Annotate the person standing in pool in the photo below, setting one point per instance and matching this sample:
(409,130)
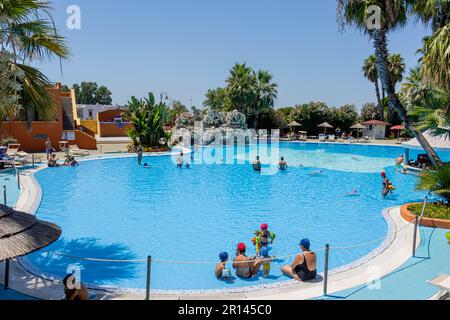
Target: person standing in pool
(266,260)
(304,266)
(257,165)
(140,154)
(283,164)
(180,160)
(387,185)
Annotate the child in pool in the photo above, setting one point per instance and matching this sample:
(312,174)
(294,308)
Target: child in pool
(266,260)
(222,272)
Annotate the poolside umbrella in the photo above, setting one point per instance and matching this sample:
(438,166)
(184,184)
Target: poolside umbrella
(22,234)
(294,124)
(358,127)
(398,129)
(326,126)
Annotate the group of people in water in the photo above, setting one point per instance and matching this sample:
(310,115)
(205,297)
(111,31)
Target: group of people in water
(303,267)
(69,161)
(257,166)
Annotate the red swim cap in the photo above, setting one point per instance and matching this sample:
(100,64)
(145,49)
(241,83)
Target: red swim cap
(264,226)
(241,247)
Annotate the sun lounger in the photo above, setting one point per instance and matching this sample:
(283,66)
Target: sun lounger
(332,138)
(442,282)
(75,151)
(322,137)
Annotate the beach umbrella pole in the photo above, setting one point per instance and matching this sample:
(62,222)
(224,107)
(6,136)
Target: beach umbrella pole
(6,275)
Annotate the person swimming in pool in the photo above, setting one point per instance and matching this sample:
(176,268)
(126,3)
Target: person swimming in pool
(304,266)
(316,173)
(222,272)
(245,267)
(283,164)
(146,166)
(399,161)
(354,192)
(257,165)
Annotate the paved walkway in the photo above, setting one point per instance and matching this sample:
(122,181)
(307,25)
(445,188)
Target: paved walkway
(409,282)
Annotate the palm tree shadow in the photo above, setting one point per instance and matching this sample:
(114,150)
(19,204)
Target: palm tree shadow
(63,254)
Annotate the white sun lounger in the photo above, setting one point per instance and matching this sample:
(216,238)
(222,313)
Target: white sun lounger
(75,151)
(442,282)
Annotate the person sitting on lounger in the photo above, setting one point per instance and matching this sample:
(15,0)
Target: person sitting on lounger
(304,266)
(283,164)
(222,272)
(257,164)
(245,267)
(74,291)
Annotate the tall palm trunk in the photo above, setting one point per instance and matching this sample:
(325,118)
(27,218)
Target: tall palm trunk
(381,52)
(380,104)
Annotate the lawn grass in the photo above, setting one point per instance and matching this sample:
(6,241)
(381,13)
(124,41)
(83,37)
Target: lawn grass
(433,210)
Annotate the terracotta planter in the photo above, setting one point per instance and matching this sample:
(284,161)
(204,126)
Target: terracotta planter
(426,222)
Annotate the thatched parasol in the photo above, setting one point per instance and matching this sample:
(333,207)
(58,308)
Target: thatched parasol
(326,126)
(294,124)
(358,127)
(22,234)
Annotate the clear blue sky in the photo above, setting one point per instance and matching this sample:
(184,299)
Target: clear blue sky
(186,47)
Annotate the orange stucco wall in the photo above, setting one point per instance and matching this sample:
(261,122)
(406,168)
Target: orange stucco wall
(27,136)
(112,130)
(83,140)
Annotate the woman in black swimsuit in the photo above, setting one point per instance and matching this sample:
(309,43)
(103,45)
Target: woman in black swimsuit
(303,268)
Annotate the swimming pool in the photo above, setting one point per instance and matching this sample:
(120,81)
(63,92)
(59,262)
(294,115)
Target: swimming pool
(114,209)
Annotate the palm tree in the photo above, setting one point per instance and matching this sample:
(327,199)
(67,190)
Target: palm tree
(265,94)
(396,69)
(438,181)
(426,104)
(28,34)
(433,12)
(148,120)
(240,85)
(370,72)
(393,16)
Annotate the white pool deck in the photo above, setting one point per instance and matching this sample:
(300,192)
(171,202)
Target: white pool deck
(390,257)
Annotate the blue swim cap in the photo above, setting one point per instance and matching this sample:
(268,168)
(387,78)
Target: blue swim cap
(264,252)
(223,256)
(305,243)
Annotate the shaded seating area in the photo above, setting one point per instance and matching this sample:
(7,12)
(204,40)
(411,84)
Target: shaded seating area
(22,234)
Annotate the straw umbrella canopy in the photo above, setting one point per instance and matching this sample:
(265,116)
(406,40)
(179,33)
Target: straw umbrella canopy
(294,124)
(358,127)
(22,234)
(326,126)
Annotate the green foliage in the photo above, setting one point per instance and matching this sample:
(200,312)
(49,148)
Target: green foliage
(432,210)
(148,120)
(91,93)
(344,117)
(369,111)
(217,100)
(28,34)
(252,93)
(310,115)
(175,110)
(438,181)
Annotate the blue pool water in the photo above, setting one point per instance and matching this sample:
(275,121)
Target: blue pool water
(114,209)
